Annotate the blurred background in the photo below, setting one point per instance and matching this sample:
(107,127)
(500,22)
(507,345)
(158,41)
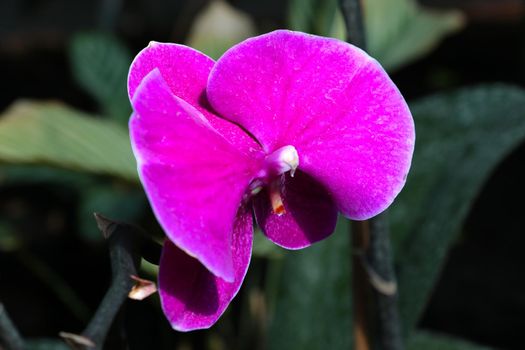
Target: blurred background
(457,228)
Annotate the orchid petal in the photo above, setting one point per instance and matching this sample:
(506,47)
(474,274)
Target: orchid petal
(336,105)
(310,214)
(184,69)
(186,72)
(194,178)
(192,297)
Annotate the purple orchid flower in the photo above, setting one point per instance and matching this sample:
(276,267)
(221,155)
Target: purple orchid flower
(293,126)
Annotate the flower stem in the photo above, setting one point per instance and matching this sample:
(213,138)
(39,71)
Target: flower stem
(124,262)
(10,338)
(374,286)
(373,279)
(360,232)
(353,16)
(123,242)
(381,274)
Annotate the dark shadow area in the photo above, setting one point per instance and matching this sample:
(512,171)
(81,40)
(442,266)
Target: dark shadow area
(39,220)
(481,292)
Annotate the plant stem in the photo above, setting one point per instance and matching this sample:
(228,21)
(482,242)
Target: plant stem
(9,336)
(374,286)
(360,288)
(373,279)
(353,16)
(360,230)
(121,239)
(379,264)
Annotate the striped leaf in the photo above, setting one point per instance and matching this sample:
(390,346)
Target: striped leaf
(54,134)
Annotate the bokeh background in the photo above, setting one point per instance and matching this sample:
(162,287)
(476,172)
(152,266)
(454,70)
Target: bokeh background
(457,229)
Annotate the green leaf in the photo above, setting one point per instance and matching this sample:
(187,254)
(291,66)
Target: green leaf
(461,138)
(100,64)
(313,298)
(430,341)
(399,32)
(54,134)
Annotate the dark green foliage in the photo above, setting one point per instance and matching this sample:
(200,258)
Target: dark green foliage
(100,64)
(313,304)
(461,138)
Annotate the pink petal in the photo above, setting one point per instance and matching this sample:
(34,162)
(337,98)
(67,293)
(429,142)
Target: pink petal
(192,297)
(350,125)
(194,178)
(186,72)
(310,215)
